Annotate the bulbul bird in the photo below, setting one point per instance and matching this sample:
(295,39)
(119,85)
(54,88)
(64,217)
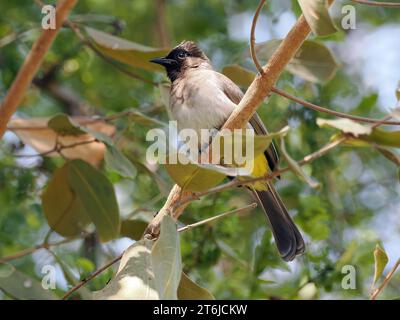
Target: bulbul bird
(202,98)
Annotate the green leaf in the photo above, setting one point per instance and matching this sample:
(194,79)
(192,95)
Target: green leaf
(363,132)
(64,126)
(145,120)
(384,138)
(389,154)
(62,208)
(125,51)
(166,260)
(117,162)
(147,270)
(133,228)
(345,125)
(313,61)
(194,177)
(381,260)
(83,292)
(317,16)
(135,279)
(20,286)
(97,196)
(296,168)
(239,75)
(189,290)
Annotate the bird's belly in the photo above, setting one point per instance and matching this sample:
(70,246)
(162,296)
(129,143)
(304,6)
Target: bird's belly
(199,113)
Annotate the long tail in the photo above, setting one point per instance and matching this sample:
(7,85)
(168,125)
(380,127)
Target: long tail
(287,237)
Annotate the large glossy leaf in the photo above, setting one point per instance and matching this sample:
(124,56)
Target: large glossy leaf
(148,270)
(125,51)
(317,16)
(62,208)
(189,290)
(313,61)
(381,259)
(21,286)
(193,176)
(116,161)
(135,279)
(166,260)
(97,196)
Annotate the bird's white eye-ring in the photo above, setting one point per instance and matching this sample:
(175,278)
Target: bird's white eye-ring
(182,55)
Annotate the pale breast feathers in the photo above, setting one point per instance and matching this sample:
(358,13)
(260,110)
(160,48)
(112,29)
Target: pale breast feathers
(199,102)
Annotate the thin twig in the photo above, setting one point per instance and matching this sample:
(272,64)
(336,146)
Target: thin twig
(378,4)
(28,251)
(93,275)
(217,217)
(386,281)
(58,148)
(382,121)
(253,38)
(332,112)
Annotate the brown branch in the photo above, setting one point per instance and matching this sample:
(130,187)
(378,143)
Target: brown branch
(28,251)
(386,281)
(332,112)
(161,24)
(93,275)
(31,65)
(378,4)
(259,89)
(253,38)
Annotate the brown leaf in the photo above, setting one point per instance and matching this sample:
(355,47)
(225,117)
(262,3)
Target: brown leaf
(39,136)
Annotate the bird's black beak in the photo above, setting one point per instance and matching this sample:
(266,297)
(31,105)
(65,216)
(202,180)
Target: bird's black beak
(164,61)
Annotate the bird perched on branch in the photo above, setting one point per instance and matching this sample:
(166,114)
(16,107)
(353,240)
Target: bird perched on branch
(202,98)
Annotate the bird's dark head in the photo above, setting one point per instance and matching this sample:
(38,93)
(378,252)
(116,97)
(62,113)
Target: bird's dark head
(185,55)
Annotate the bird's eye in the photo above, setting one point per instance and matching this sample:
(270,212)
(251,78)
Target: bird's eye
(182,55)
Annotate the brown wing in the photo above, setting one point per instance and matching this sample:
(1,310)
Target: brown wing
(234,93)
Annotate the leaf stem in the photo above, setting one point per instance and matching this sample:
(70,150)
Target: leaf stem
(93,275)
(332,112)
(217,217)
(253,38)
(386,281)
